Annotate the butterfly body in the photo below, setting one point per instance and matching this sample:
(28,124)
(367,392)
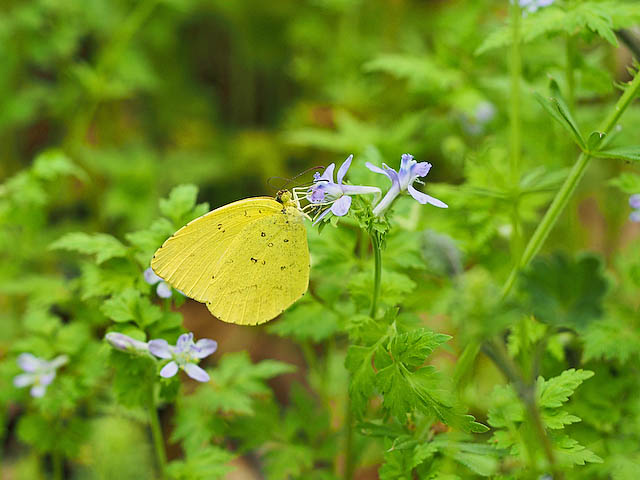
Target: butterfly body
(247,261)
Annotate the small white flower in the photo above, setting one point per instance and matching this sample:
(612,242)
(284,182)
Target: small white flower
(185,355)
(39,373)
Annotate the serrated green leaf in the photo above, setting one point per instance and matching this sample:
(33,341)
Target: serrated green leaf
(103,246)
(307,321)
(556,391)
(206,463)
(627,182)
(130,306)
(181,206)
(361,384)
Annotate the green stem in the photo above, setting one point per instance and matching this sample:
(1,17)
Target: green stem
(57,466)
(515,68)
(526,393)
(568,188)
(377,255)
(156,434)
(349,465)
(569,72)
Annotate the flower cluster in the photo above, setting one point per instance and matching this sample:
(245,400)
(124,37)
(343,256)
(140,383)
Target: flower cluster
(39,373)
(634,202)
(325,192)
(184,355)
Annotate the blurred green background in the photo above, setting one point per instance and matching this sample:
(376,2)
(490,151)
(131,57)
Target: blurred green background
(226,94)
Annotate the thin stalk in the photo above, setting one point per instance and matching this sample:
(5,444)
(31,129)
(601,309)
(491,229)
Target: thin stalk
(349,464)
(377,255)
(526,393)
(156,434)
(568,188)
(515,72)
(570,72)
(57,466)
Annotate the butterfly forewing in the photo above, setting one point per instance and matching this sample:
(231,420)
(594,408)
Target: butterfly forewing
(189,258)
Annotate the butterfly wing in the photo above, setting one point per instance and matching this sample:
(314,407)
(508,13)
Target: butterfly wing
(264,272)
(191,257)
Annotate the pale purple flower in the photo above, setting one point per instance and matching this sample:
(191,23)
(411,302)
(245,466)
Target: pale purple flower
(325,192)
(163,289)
(402,182)
(634,202)
(531,6)
(185,355)
(125,343)
(39,373)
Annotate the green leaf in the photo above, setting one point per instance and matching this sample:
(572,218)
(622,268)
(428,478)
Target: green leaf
(53,164)
(103,246)
(361,384)
(556,391)
(307,321)
(414,347)
(630,154)
(594,141)
(564,292)
(181,206)
(130,306)
(557,107)
(206,463)
(627,182)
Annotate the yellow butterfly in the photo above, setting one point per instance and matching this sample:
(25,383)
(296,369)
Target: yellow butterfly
(247,261)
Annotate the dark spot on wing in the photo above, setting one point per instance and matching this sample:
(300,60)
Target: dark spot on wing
(282,267)
(219,226)
(264,262)
(286,240)
(270,244)
(263,234)
(254,260)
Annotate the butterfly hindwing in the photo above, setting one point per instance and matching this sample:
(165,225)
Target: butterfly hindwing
(264,272)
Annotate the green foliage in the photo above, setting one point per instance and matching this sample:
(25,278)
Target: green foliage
(202,464)
(563,292)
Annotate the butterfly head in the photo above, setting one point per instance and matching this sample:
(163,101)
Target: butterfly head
(286,198)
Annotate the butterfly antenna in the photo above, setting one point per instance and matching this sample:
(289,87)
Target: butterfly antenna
(289,181)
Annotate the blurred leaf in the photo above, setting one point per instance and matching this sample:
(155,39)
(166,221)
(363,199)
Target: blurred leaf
(207,463)
(557,107)
(630,154)
(102,245)
(181,206)
(564,292)
(306,321)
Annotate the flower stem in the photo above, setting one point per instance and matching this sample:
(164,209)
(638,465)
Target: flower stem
(57,466)
(377,255)
(568,189)
(156,434)
(348,443)
(515,68)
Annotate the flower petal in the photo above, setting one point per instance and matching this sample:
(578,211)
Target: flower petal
(389,172)
(635,216)
(47,378)
(23,380)
(150,276)
(29,362)
(124,342)
(160,348)
(327,174)
(184,342)
(205,347)
(423,198)
(341,206)
(406,161)
(38,391)
(163,290)
(634,200)
(343,169)
(197,373)
(420,169)
(169,370)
